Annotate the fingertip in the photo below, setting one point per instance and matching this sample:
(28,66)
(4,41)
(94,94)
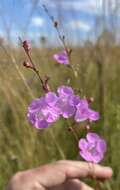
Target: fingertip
(104,172)
(100,172)
(109,172)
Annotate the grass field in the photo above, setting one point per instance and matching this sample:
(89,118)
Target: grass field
(22,146)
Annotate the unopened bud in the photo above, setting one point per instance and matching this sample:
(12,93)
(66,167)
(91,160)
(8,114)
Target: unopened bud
(27,64)
(26,46)
(70,129)
(90,100)
(47,78)
(87,127)
(55,24)
(46,86)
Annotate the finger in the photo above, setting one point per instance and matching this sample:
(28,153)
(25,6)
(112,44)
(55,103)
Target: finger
(57,174)
(76,185)
(72,184)
(75,169)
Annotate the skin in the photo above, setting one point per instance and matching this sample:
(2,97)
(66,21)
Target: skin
(61,175)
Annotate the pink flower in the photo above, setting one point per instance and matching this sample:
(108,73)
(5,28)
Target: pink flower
(61,57)
(93,148)
(85,113)
(42,112)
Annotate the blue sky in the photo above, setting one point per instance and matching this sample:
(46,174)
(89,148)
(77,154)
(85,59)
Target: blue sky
(23,17)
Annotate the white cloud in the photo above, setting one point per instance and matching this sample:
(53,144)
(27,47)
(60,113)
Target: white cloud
(89,6)
(79,25)
(37,21)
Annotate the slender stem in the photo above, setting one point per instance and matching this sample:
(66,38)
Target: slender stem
(44,85)
(66,49)
(73,130)
(98,181)
(57,145)
(62,39)
(34,67)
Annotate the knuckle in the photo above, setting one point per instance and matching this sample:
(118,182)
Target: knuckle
(44,169)
(61,162)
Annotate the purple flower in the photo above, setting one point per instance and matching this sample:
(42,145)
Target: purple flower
(42,112)
(63,105)
(46,110)
(61,57)
(74,100)
(51,98)
(93,148)
(66,101)
(84,112)
(65,91)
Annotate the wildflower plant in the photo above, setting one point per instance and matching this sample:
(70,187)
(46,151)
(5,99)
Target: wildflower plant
(61,57)
(44,111)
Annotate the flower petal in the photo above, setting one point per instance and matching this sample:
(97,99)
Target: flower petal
(97,157)
(51,98)
(37,104)
(65,91)
(80,116)
(86,156)
(41,124)
(68,111)
(101,146)
(83,104)
(61,57)
(82,144)
(93,115)
(74,100)
(92,137)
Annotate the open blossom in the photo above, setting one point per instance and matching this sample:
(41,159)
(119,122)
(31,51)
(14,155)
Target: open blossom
(42,113)
(65,91)
(61,57)
(93,148)
(83,112)
(66,109)
(67,101)
(46,110)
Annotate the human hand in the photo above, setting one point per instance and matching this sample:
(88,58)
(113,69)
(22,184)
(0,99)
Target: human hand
(61,175)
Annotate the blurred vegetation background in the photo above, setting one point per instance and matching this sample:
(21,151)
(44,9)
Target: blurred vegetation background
(97,64)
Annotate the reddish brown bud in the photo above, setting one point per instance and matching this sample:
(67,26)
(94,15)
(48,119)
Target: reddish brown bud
(90,100)
(55,24)
(26,46)
(70,129)
(27,64)
(47,78)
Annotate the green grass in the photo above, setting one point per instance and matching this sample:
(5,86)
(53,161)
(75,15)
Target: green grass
(22,146)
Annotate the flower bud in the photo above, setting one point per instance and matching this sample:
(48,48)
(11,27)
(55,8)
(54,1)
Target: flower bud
(87,127)
(90,100)
(55,24)
(26,46)
(27,64)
